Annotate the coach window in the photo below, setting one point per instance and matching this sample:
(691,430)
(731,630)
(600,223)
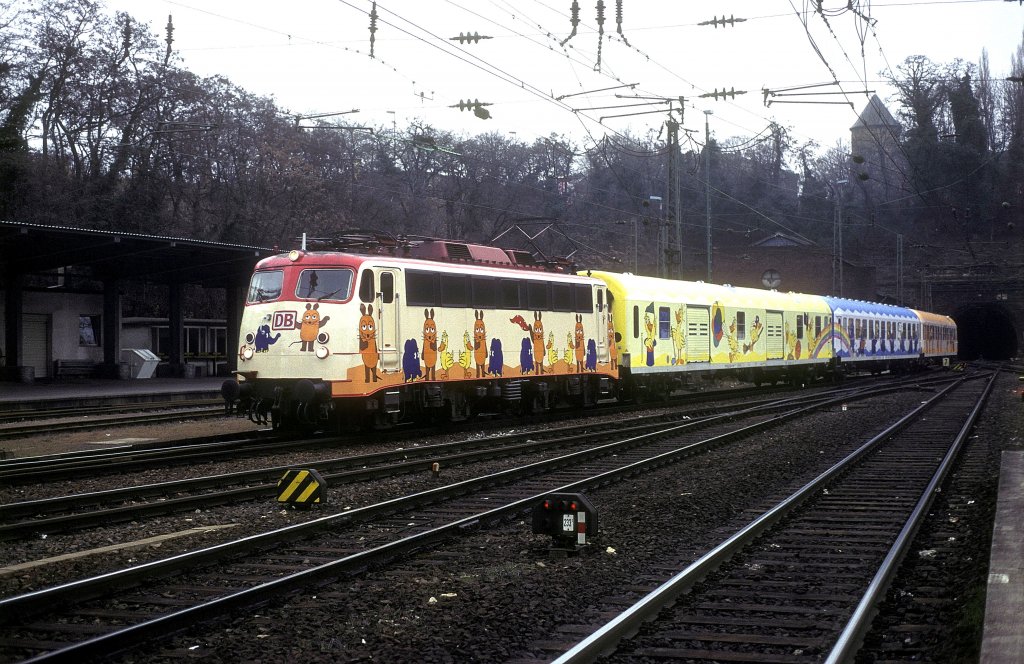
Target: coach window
(817,326)
(741,325)
(454,290)
(484,292)
(561,297)
(508,294)
(583,300)
(421,289)
(664,323)
(800,326)
(538,296)
(367,288)
(636,322)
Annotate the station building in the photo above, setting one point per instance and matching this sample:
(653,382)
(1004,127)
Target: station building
(61,310)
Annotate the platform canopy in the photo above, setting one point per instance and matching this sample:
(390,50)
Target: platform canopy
(112,255)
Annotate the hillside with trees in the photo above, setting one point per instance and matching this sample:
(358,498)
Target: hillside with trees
(100,127)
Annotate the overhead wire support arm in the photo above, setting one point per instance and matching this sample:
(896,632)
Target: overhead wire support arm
(587,92)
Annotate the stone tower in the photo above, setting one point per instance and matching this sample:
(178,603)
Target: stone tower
(875,138)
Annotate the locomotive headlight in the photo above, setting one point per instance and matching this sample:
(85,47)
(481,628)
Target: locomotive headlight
(247,353)
(294,255)
(322,352)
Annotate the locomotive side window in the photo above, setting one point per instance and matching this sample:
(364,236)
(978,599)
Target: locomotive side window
(741,325)
(584,299)
(366,286)
(817,326)
(454,290)
(600,299)
(800,326)
(323,284)
(636,322)
(538,295)
(265,286)
(561,297)
(421,289)
(508,294)
(485,294)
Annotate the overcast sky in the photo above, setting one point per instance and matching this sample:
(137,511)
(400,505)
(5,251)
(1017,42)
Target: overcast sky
(313,56)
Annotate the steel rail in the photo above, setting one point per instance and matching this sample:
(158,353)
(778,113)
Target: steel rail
(35,602)
(605,639)
(333,470)
(83,589)
(860,621)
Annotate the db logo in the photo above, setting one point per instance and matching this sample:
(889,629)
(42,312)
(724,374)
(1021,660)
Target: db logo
(284,320)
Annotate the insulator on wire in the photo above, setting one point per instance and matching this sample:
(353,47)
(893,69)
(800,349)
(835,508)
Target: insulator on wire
(574,20)
(472,38)
(373,26)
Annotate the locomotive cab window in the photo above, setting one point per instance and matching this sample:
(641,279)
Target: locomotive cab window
(265,286)
(366,286)
(324,284)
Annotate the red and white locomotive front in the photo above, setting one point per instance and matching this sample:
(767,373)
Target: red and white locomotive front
(296,336)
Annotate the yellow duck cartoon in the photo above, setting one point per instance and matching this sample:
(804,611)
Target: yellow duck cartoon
(447,359)
(552,351)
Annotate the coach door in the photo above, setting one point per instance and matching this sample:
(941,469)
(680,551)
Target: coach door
(698,334)
(388,334)
(774,337)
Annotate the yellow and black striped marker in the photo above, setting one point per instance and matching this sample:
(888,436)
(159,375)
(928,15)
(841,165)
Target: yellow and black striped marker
(302,487)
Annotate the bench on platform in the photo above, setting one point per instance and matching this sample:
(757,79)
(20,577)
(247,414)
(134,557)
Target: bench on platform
(79,368)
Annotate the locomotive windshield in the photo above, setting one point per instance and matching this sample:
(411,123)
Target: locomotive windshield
(265,286)
(323,284)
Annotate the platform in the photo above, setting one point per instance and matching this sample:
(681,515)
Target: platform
(1003,639)
(47,394)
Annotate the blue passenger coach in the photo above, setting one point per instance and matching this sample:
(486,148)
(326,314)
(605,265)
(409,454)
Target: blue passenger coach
(873,337)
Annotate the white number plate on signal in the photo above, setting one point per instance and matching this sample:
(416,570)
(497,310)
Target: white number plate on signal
(568,523)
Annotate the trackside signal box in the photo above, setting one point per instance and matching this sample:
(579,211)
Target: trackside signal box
(570,518)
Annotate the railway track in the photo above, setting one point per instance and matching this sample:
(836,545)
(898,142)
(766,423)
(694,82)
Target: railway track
(803,580)
(210,582)
(89,509)
(21,424)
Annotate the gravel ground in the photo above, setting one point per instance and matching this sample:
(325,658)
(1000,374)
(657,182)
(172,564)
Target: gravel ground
(499,595)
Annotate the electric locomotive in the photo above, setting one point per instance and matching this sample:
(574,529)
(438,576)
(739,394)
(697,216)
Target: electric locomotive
(380,334)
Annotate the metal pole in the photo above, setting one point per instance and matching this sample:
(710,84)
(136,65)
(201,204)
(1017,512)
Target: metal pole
(707,186)
(899,269)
